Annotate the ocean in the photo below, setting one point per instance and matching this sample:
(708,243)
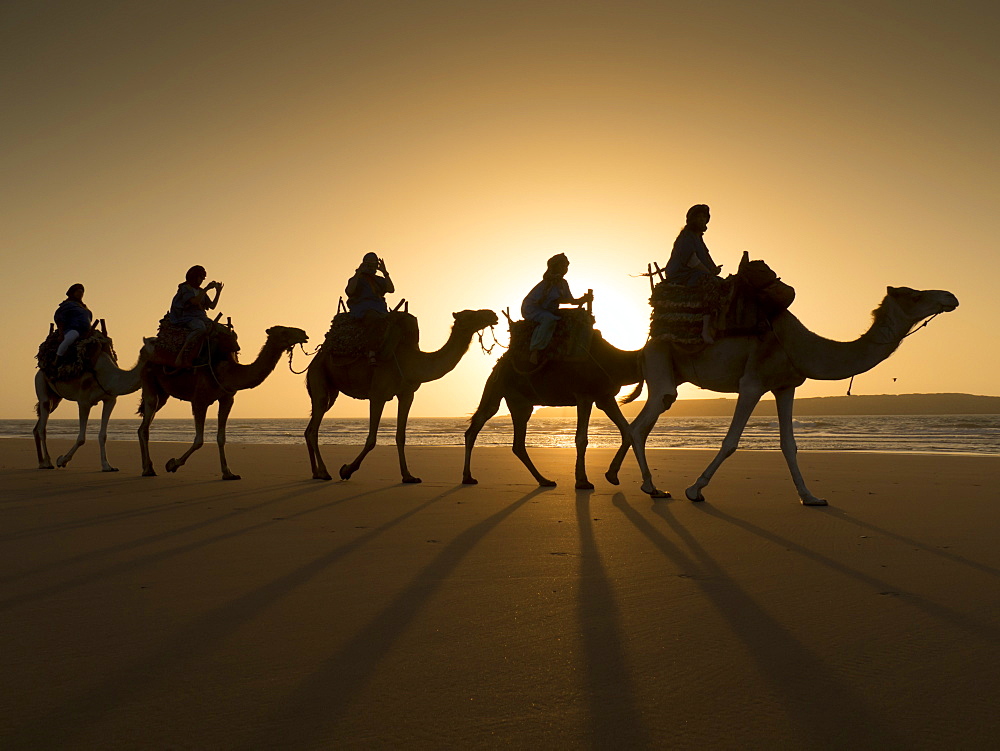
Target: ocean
(939,434)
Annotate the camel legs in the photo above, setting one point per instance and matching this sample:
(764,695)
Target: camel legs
(405,402)
(520,414)
(660,398)
(81,436)
(148,406)
(102,434)
(784,399)
(488,406)
(199,411)
(583,410)
(225,407)
(375,407)
(744,408)
(610,407)
(47,403)
(321,404)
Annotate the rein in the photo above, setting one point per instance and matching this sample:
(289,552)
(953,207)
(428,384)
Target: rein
(208,346)
(291,351)
(850,385)
(931,318)
(496,342)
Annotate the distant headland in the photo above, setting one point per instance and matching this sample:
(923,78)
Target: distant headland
(883,404)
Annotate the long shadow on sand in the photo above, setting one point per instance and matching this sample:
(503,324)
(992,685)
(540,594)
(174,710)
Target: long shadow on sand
(295,490)
(191,500)
(986,631)
(953,557)
(815,700)
(90,706)
(615,720)
(309,716)
(132,564)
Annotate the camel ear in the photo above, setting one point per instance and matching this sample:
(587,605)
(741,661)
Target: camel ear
(455,316)
(892,291)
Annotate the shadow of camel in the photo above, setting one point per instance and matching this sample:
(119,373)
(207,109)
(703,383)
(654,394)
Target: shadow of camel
(119,686)
(814,698)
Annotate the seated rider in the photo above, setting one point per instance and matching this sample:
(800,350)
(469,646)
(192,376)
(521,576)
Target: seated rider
(187,309)
(542,303)
(690,262)
(73,319)
(366,297)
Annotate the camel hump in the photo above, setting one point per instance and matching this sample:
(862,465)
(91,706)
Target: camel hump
(220,344)
(740,305)
(375,335)
(760,282)
(81,357)
(570,341)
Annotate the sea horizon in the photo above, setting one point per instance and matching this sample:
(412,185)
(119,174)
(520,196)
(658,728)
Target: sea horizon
(939,434)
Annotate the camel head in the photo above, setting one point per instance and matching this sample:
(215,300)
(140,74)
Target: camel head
(475,320)
(918,304)
(286,336)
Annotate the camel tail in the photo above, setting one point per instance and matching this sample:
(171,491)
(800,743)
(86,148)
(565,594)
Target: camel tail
(635,393)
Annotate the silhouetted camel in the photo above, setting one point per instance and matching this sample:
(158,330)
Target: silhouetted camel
(556,383)
(205,385)
(778,362)
(103,382)
(397,376)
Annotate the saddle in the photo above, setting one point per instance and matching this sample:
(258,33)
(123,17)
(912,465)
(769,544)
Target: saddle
(739,305)
(350,337)
(81,357)
(220,344)
(570,340)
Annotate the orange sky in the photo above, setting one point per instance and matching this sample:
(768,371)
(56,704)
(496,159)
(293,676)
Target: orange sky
(852,145)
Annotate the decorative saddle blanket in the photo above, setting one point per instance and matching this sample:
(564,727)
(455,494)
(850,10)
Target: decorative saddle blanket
(221,344)
(739,305)
(570,341)
(82,356)
(356,337)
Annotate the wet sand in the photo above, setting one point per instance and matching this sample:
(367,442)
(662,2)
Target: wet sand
(282,612)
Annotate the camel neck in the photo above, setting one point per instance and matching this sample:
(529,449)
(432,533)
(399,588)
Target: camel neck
(824,359)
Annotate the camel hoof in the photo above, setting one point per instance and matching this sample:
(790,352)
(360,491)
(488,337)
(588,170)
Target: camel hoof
(470,481)
(149,473)
(231,476)
(110,469)
(655,493)
(696,497)
(411,480)
(172,465)
(813,502)
(45,466)
(346,472)
(324,476)
(612,477)
(543,483)
(585,485)
(61,462)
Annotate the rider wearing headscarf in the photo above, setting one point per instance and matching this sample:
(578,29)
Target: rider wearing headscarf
(366,290)
(187,309)
(366,293)
(73,318)
(691,264)
(542,303)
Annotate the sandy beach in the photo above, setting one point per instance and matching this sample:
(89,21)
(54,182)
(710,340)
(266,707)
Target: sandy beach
(282,612)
